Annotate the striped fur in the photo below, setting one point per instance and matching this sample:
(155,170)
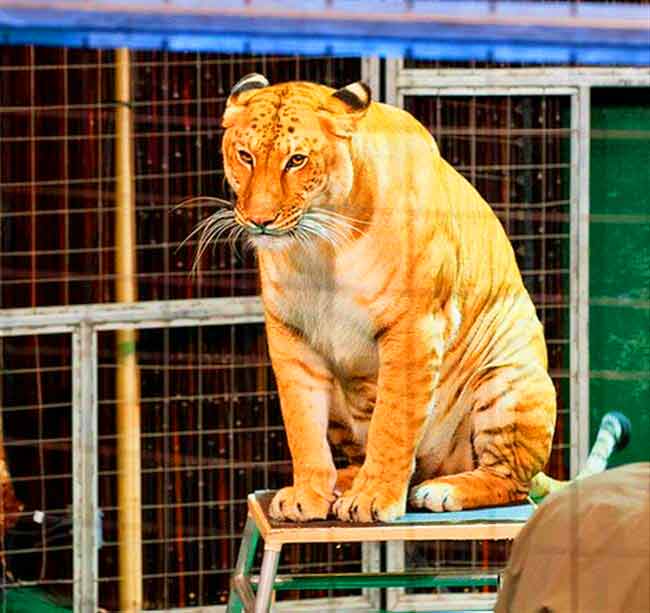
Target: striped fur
(397,320)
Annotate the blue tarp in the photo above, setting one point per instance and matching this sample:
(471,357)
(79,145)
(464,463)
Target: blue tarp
(549,33)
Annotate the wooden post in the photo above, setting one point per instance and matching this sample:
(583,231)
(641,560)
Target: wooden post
(128,381)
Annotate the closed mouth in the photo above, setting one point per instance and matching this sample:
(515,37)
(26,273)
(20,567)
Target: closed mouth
(266,231)
(276,228)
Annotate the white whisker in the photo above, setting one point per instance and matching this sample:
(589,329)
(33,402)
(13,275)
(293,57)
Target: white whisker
(330,226)
(232,238)
(210,230)
(300,235)
(322,232)
(334,222)
(200,200)
(333,225)
(204,223)
(338,215)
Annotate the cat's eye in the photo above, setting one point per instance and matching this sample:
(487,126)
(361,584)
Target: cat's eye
(295,161)
(245,157)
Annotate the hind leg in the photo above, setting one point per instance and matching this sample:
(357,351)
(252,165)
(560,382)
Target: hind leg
(468,490)
(343,436)
(512,420)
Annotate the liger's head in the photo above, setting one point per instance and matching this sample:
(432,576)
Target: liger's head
(286,151)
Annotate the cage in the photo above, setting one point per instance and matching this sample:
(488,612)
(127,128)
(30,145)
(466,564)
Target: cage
(556,147)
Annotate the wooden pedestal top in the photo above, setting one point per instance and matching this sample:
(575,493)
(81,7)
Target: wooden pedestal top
(492,523)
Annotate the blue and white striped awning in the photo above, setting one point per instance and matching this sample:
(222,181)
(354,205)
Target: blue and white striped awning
(501,31)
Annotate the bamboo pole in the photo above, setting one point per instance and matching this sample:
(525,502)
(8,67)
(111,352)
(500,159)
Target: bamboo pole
(128,388)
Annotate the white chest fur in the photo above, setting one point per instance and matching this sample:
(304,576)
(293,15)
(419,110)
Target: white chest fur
(324,306)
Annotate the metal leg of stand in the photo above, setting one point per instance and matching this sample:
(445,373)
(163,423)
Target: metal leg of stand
(241,592)
(267,578)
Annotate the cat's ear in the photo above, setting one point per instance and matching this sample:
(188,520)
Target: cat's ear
(239,95)
(356,96)
(345,108)
(251,81)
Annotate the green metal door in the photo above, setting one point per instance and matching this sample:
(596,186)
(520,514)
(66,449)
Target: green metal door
(620,263)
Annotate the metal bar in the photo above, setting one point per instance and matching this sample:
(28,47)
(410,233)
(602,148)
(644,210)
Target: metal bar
(574,457)
(344,581)
(446,603)
(370,74)
(266,580)
(343,604)
(85,469)
(371,563)
(239,583)
(395,562)
(200,609)
(455,90)
(393,70)
(582,314)
(423,78)
(574,288)
(27,330)
(171,313)
(242,596)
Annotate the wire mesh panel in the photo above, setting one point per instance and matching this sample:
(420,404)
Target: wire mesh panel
(57,169)
(516,151)
(211,426)
(211,434)
(36,397)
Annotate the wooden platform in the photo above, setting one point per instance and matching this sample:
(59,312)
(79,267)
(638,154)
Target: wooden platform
(491,523)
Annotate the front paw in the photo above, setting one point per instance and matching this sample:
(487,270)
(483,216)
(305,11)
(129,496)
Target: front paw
(373,501)
(299,503)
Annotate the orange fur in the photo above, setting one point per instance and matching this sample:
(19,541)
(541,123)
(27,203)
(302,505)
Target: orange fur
(408,335)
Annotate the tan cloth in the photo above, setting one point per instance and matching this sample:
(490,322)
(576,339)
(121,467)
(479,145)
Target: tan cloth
(585,550)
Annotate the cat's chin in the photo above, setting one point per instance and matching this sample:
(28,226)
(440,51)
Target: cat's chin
(271,243)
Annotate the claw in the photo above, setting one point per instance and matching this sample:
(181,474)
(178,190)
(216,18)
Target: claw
(373,511)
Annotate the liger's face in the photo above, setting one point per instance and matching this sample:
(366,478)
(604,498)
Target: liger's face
(285,167)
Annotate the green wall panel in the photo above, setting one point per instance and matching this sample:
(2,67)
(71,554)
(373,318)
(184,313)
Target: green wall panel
(620,263)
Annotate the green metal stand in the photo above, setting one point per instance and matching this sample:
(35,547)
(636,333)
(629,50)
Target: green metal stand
(243,586)
(240,586)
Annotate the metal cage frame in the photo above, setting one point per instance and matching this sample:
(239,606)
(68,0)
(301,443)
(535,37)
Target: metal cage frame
(576,84)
